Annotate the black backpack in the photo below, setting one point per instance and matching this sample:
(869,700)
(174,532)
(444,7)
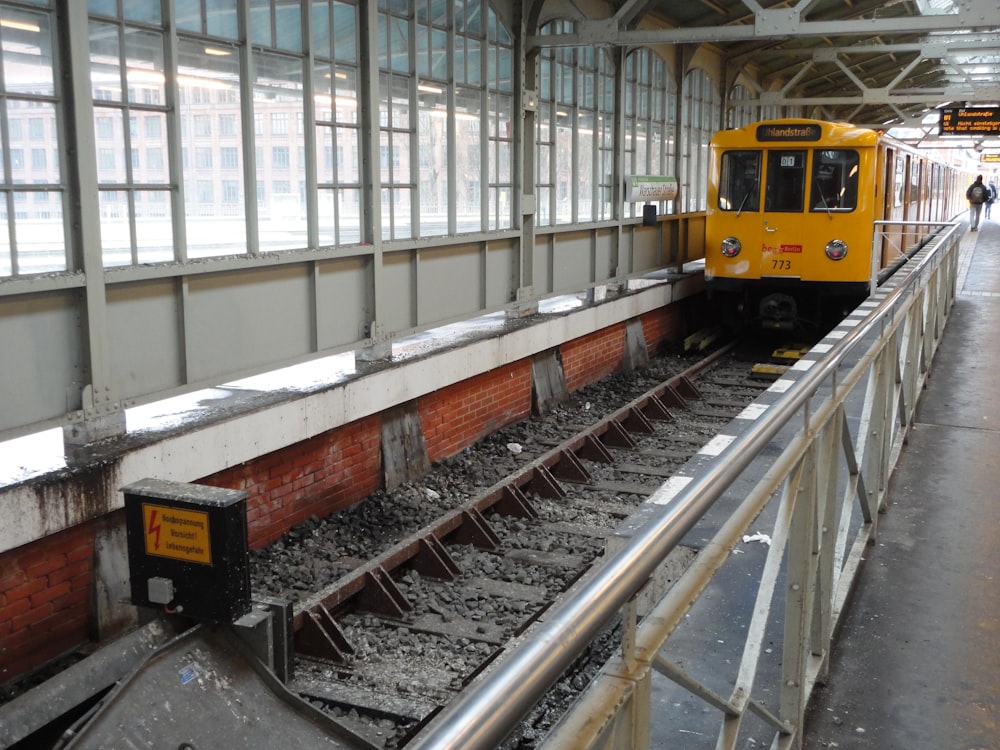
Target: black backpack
(977,194)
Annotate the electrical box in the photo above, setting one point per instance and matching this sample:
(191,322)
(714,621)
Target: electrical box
(187,549)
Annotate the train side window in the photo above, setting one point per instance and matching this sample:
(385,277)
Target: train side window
(834,185)
(739,183)
(786,181)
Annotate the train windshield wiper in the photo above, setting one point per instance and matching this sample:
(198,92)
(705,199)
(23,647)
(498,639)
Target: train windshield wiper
(746,197)
(822,198)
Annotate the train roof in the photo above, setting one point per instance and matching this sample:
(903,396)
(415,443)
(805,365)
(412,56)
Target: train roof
(796,130)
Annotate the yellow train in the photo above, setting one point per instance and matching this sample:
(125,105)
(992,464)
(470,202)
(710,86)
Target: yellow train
(791,234)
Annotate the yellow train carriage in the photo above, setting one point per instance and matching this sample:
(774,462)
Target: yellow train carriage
(791,205)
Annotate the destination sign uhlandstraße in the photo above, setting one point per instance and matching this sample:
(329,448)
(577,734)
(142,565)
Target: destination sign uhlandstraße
(970,121)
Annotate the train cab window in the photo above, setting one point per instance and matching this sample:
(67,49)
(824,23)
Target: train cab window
(739,184)
(834,185)
(786,181)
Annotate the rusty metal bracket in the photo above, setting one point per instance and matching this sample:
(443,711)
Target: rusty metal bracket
(321,636)
(636,422)
(594,450)
(672,397)
(515,503)
(617,436)
(688,389)
(382,596)
(656,409)
(434,560)
(545,484)
(476,530)
(570,469)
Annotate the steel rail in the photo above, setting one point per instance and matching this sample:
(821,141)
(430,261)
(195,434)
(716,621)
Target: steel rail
(488,711)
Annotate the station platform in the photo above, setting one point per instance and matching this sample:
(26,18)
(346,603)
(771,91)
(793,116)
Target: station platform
(916,665)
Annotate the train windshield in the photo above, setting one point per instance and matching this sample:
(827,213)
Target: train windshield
(739,186)
(786,180)
(835,180)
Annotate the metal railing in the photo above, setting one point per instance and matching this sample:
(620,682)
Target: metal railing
(847,414)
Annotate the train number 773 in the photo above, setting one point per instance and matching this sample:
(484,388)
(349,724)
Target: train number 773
(779,264)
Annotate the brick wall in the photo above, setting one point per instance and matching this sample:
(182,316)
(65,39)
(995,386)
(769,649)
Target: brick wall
(455,417)
(590,358)
(661,327)
(45,599)
(316,477)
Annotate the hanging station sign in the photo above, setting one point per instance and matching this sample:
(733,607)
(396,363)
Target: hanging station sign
(970,121)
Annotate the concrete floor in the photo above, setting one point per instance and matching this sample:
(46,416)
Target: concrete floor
(917,662)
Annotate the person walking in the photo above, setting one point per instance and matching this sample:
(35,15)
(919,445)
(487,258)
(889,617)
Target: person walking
(976,195)
(991,190)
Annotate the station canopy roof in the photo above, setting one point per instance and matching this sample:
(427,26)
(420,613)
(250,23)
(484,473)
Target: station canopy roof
(877,63)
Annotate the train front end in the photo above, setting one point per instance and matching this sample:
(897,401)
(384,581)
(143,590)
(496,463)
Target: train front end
(789,224)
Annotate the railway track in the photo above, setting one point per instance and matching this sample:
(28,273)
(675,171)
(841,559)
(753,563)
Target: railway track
(399,632)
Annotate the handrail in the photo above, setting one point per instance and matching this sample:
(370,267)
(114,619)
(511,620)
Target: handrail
(486,713)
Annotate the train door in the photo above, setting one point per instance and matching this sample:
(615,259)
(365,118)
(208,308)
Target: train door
(886,160)
(784,226)
(897,180)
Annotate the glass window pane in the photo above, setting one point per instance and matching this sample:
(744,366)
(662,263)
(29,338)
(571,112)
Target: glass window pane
(116,242)
(105,62)
(439,61)
(468,158)
(349,216)
(345,25)
(564,174)
(439,12)
(6,263)
(398,213)
(144,66)
(325,156)
(835,180)
(348,156)
(210,94)
(142,10)
(785,189)
(109,129)
(38,125)
(27,52)
(288,27)
(586,153)
(473,62)
(278,97)
(433,154)
(345,81)
(221,19)
(400,103)
(399,44)
(322,42)
(153,227)
(739,187)
(327,213)
(40,241)
(188,14)
(103,7)
(260,22)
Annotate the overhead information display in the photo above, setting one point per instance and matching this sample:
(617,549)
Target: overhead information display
(970,121)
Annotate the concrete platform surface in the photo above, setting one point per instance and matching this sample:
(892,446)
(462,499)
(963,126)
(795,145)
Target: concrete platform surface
(917,662)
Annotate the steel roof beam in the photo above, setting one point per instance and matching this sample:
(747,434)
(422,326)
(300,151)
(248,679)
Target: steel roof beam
(779,23)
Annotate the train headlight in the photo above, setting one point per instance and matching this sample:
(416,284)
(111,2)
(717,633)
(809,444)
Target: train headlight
(731,247)
(836,249)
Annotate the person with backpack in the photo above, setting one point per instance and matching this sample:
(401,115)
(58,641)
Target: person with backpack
(991,195)
(976,195)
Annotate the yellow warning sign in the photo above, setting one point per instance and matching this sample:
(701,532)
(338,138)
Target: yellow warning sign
(180,534)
